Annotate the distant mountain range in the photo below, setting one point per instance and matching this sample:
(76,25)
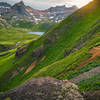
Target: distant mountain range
(20,11)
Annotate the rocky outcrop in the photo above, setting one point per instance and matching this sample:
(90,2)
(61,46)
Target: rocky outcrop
(92,95)
(19,8)
(20,51)
(4,7)
(44,89)
(38,52)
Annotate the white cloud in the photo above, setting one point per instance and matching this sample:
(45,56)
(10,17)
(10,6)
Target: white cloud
(43,4)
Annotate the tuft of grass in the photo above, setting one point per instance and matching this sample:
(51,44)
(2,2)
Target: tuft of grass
(90,84)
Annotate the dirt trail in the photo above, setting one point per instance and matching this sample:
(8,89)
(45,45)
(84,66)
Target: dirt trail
(95,53)
(85,75)
(30,67)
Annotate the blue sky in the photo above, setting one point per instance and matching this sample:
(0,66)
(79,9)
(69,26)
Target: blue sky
(44,4)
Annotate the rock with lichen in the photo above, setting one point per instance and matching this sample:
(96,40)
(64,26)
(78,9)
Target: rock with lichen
(44,89)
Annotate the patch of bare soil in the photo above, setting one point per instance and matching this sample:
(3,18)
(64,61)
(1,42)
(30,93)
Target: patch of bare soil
(30,67)
(95,53)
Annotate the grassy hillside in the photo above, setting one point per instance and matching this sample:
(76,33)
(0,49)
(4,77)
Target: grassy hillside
(23,24)
(10,40)
(9,37)
(43,26)
(65,47)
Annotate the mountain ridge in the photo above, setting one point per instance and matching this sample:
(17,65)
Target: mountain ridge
(57,14)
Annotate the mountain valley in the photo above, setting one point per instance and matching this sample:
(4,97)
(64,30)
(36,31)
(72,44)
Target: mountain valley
(68,51)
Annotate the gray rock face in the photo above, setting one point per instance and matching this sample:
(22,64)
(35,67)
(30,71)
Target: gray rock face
(38,52)
(92,95)
(4,7)
(44,89)
(20,11)
(19,8)
(20,51)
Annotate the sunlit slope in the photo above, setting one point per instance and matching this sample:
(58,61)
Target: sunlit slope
(70,35)
(65,46)
(9,37)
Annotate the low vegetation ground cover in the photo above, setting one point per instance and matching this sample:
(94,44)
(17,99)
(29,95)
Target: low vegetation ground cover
(76,35)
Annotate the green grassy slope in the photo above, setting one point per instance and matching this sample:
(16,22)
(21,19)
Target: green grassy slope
(40,27)
(10,36)
(10,39)
(74,36)
(23,24)
(92,83)
(43,26)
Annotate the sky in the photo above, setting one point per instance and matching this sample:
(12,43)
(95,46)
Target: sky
(44,4)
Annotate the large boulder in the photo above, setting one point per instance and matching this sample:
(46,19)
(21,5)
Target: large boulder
(44,89)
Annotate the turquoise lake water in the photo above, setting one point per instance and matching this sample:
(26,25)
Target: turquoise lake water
(38,33)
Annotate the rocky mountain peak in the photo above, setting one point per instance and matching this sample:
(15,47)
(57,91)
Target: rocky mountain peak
(4,4)
(73,7)
(21,3)
(19,8)
(62,8)
(4,7)
(21,11)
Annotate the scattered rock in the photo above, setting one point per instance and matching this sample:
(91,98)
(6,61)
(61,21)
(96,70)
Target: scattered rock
(43,58)
(67,53)
(20,51)
(38,52)
(14,74)
(44,89)
(50,40)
